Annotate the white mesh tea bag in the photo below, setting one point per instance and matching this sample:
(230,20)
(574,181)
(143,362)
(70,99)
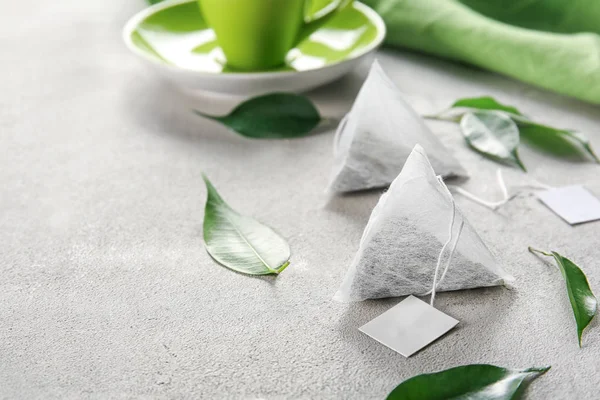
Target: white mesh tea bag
(404,243)
(375,138)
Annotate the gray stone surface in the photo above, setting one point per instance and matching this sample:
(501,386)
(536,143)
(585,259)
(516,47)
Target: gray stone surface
(107,292)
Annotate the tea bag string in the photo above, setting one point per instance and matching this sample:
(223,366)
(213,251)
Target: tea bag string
(494,205)
(338,133)
(442,251)
(448,261)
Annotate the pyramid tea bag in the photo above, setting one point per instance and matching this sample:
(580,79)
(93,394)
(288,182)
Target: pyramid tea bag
(378,134)
(400,246)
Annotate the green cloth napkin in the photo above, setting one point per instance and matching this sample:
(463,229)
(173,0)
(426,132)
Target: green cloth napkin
(541,42)
(562,16)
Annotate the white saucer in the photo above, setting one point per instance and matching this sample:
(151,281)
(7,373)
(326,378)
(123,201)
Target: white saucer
(174,40)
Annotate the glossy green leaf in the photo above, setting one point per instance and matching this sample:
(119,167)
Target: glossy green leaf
(239,242)
(557,141)
(485,103)
(272,116)
(545,133)
(493,134)
(582,299)
(476,382)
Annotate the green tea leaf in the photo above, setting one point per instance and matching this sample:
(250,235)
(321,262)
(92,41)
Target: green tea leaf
(533,130)
(582,299)
(493,134)
(557,141)
(239,242)
(272,116)
(481,382)
(484,103)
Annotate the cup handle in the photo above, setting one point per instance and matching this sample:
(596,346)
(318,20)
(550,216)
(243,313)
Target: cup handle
(317,9)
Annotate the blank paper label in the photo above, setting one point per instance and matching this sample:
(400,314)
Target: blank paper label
(409,326)
(574,204)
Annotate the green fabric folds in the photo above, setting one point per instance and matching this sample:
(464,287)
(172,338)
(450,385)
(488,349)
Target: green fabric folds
(548,43)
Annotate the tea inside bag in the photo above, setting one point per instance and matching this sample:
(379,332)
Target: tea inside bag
(407,229)
(375,138)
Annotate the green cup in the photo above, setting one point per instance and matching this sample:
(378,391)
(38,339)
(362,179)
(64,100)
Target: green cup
(257,34)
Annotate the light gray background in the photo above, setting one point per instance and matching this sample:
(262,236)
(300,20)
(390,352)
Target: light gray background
(106,290)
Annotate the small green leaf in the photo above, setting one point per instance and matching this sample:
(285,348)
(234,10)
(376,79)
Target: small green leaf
(557,141)
(481,382)
(272,116)
(582,299)
(485,103)
(241,243)
(154,1)
(533,130)
(493,134)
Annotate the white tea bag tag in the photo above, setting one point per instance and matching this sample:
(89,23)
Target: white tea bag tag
(409,326)
(574,204)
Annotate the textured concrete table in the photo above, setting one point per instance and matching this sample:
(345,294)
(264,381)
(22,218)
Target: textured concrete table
(106,290)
